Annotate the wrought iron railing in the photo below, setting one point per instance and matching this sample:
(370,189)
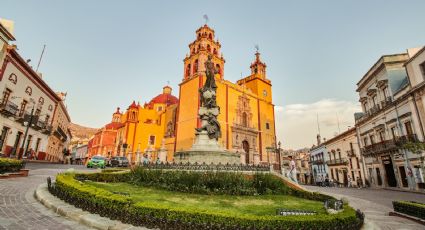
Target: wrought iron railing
(208,167)
(9,108)
(342,161)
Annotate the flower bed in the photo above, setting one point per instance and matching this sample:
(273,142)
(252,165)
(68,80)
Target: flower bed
(160,215)
(10,165)
(410,208)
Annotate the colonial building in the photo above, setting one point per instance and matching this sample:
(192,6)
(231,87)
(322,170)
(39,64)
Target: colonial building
(61,135)
(318,158)
(246,108)
(145,128)
(389,120)
(27,106)
(415,67)
(104,140)
(344,159)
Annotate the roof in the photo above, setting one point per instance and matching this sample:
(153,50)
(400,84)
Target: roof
(114,125)
(164,98)
(133,105)
(6,33)
(415,56)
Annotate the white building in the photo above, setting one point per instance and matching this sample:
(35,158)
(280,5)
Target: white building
(345,162)
(389,121)
(318,157)
(25,99)
(415,67)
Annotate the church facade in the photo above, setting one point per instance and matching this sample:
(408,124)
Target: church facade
(168,123)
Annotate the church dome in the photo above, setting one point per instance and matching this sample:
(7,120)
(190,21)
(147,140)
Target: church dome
(164,98)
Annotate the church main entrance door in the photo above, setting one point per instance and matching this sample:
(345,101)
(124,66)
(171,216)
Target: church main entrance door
(245,146)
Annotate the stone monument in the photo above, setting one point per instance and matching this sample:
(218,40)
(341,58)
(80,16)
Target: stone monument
(206,147)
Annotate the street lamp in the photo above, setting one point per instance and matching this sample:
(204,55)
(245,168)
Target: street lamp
(27,124)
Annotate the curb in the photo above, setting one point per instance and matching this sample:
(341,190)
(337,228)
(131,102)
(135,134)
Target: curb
(43,195)
(409,217)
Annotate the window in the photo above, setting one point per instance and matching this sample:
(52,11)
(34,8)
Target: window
(265,93)
(339,155)
(47,119)
(422,66)
(195,66)
(365,106)
(384,91)
(267,125)
(23,106)
(151,140)
(381,136)
(159,108)
(244,119)
(393,132)
(37,112)
(408,126)
(372,139)
(188,70)
(365,142)
(6,95)
(209,48)
(374,100)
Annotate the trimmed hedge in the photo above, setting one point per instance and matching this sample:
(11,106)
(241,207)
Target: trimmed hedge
(10,165)
(410,208)
(156,215)
(209,182)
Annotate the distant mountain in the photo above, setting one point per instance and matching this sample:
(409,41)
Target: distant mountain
(80,132)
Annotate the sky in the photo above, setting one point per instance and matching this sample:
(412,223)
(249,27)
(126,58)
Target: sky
(105,54)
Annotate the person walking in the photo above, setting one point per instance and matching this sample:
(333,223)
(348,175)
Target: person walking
(349,185)
(293,170)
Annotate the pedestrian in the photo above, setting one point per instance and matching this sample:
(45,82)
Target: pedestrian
(349,182)
(293,171)
(359,182)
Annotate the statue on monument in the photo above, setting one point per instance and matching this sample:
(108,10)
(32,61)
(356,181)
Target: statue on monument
(209,110)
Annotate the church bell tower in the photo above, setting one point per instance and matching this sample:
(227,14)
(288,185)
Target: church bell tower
(205,44)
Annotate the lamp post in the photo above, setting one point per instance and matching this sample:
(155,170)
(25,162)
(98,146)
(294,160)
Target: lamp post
(29,123)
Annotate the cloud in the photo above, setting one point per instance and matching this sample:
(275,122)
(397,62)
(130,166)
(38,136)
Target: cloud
(296,124)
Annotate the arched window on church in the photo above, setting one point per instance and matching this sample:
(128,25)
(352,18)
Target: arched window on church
(199,47)
(188,70)
(217,66)
(244,119)
(214,51)
(210,36)
(199,35)
(195,66)
(193,50)
(209,48)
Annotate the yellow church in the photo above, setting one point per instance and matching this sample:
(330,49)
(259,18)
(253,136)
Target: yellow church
(168,123)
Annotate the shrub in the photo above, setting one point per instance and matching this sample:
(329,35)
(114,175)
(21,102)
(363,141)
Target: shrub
(205,182)
(154,215)
(10,165)
(410,208)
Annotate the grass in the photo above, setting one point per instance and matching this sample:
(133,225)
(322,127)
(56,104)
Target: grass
(264,205)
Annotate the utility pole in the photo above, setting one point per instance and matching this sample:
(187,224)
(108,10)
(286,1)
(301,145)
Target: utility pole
(39,60)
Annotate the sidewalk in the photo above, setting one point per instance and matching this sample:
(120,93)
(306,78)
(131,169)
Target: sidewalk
(405,190)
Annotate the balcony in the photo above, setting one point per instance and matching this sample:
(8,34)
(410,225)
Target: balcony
(47,129)
(400,141)
(9,109)
(39,125)
(380,147)
(387,102)
(316,162)
(351,153)
(336,162)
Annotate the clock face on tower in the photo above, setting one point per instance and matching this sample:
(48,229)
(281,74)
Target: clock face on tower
(265,93)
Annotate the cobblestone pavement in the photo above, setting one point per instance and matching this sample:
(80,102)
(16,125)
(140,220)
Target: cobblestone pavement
(376,204)
(18,207)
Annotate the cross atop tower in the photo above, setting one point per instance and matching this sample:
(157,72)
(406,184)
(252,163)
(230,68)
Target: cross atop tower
(206,19)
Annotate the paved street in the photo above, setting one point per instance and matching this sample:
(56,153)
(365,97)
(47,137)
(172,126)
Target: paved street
(376,204)
(20,210)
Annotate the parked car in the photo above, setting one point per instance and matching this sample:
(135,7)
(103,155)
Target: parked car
(119,162)
(97,162)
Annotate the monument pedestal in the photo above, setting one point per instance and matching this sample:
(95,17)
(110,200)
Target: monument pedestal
(206,150)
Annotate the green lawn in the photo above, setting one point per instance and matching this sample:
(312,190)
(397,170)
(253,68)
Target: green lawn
(234,205)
